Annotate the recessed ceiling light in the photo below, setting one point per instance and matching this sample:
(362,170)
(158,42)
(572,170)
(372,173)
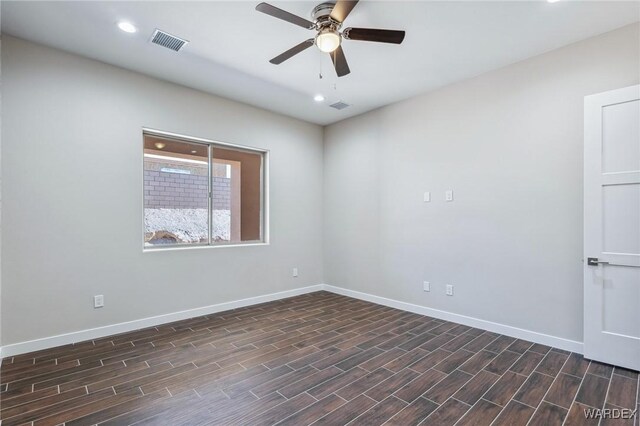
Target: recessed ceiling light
(318,98)
(194,151)
(160,145)
(127,27)
(552,1)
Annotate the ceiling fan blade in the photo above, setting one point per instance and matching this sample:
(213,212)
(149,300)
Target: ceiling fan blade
(284,15)
(342,9)
(370,34)
(340,62)
(292,52)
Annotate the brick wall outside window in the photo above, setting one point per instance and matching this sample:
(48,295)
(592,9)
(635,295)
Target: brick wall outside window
(170,190)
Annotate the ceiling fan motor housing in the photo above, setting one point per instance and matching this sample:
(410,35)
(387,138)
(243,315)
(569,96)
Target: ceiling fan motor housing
(321,15)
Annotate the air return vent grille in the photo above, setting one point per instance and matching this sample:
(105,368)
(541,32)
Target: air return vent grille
(167,40)
(339,105)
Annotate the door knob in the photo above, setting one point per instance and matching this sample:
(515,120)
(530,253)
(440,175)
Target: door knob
(593,261)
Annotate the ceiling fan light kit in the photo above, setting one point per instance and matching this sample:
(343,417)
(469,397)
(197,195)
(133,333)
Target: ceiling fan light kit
(328,20)
(328,40)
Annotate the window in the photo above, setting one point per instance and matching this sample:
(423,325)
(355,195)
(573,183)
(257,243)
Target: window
(198,192)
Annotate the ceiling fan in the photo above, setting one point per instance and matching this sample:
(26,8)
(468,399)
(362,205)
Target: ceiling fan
(328,19)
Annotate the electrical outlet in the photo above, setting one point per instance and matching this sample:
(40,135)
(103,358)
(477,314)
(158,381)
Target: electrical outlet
(294,272)
(98,301)
(426,286)
(449,290)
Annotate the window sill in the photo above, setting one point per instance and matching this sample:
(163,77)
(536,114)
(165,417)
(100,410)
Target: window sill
(200,247)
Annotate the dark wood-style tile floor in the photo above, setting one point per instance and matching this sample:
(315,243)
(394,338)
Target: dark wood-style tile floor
(318,359)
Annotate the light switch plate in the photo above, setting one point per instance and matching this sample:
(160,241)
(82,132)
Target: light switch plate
(98,301)
(427,197)
(448,195)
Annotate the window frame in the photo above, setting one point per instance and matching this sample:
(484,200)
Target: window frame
(210,144)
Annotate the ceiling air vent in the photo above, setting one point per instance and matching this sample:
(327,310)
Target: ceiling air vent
(167,40)
(339,105)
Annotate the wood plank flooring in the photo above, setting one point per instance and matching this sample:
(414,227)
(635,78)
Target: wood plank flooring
(318,359)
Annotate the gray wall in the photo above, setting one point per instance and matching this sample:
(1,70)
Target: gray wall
(509,144)
(72,191)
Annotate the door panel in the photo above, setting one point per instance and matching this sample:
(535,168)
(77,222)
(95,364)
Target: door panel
(612,227)
(620,128)
(621,218)
(621,293)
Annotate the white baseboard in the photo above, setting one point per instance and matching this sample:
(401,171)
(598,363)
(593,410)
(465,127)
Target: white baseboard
(96,333)
(532,336)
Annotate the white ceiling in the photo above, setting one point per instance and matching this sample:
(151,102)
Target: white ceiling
(231,44)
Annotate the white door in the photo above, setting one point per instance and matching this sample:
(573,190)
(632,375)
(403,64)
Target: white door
(612,227)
